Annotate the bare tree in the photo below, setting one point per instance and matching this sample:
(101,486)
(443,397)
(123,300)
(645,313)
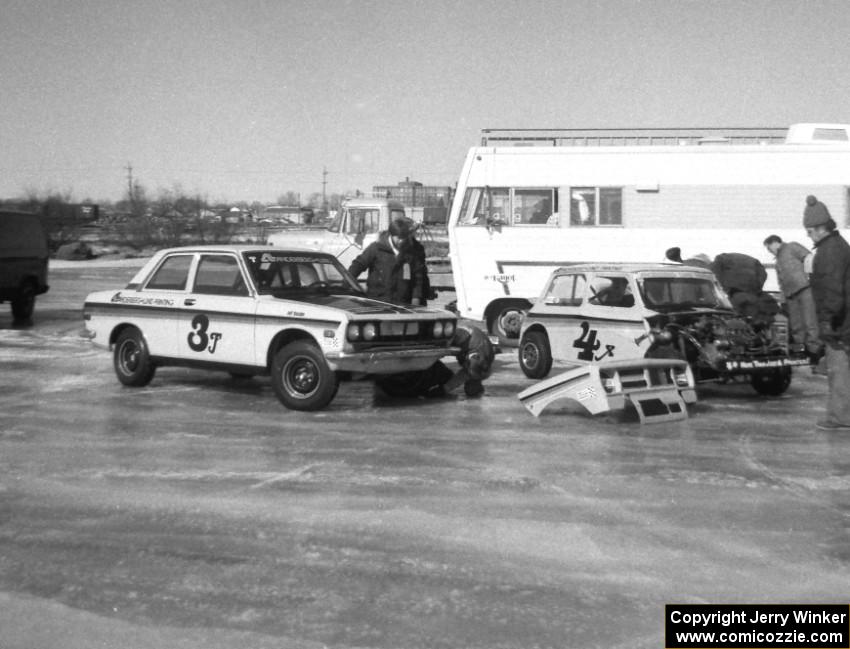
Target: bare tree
(289,198)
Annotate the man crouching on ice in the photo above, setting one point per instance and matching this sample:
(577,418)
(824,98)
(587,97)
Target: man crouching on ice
(475,359)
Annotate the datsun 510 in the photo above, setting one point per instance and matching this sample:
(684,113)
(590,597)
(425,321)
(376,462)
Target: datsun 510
(293,314)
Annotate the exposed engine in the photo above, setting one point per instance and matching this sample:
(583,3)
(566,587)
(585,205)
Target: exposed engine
(715,342)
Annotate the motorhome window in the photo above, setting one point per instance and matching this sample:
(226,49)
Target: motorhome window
(610,206)
(485,206)
(565,290)
(591,206)
(533,206)
(832,134)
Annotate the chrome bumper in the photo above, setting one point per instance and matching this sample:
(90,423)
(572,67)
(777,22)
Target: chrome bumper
(388,361)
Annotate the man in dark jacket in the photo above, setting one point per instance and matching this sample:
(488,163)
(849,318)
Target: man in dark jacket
(743,277)
(396,273)
(830,282)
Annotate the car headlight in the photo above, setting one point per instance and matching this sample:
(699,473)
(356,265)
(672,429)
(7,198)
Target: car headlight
(449,329)
(438,329)
(370,331)
(353,332)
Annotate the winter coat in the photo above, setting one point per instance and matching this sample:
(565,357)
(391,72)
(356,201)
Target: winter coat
(418,252)
(392,278)
(739,272)
(830,283)
(789,268)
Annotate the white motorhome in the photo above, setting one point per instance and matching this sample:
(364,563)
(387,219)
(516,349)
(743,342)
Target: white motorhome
(529,201)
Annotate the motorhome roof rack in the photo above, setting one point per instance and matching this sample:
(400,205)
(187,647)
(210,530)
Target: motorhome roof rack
(631,136)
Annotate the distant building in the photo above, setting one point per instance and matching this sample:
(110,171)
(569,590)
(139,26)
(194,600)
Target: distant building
(428,203)
(415,194)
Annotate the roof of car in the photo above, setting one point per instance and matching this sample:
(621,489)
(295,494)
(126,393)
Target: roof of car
(633,267)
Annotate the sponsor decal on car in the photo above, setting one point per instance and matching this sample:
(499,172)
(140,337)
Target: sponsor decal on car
(118,298)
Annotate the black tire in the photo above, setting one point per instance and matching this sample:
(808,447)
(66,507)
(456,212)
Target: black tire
(23,304)
(301,377)
(131,359)
(535,355)
(773,383)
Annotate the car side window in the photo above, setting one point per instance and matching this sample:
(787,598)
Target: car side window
(219,275)
(172,274)
(566,290)
(611,291)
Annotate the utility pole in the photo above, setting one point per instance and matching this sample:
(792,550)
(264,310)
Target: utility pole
(324,189)
(129,169)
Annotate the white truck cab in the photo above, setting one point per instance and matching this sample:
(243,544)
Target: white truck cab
(357,224)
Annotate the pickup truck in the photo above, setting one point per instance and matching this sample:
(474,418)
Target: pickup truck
(357,224)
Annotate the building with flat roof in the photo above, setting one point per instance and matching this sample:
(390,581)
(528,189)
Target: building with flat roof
(414,194)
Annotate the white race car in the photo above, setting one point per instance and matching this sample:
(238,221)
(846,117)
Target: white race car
(592,313)
(294,314)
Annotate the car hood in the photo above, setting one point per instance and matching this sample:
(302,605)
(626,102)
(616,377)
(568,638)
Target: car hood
(364,305)
(678,313)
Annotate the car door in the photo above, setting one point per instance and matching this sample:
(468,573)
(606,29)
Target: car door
(614,319)
(562,313)
(218,313)
(158,301)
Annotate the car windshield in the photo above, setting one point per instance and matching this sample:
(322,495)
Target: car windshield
(281,273)
(671,293)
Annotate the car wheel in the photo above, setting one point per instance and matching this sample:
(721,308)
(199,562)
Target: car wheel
(535,356)
(506,323)
(23,304)
(132,361)
(771,383)
(301,377)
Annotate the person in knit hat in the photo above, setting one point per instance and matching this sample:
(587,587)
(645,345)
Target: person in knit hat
(830,282)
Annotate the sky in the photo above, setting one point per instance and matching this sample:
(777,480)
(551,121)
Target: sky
(244,100)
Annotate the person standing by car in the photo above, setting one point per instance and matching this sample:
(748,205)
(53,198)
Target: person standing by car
(396,273)
(418,252)
(794,284)
(830,283)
